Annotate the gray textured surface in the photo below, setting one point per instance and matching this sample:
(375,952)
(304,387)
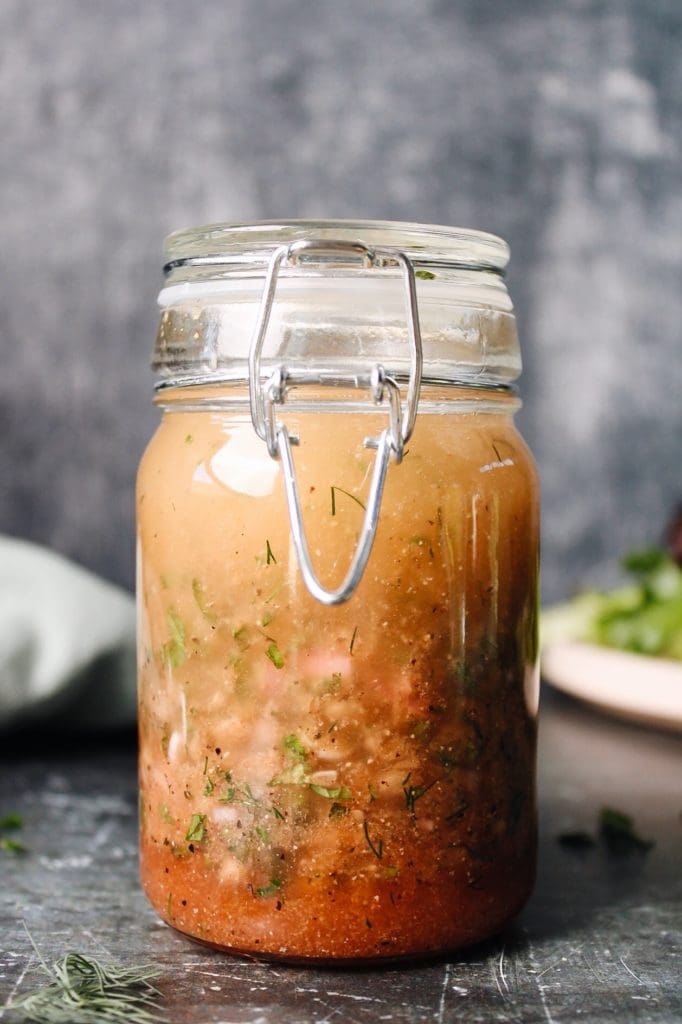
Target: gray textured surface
(600,941)
(556,125)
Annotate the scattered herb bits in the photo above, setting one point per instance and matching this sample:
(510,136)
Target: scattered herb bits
(617,830)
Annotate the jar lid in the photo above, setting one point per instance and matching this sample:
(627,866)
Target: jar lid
(332,306)
(251,245)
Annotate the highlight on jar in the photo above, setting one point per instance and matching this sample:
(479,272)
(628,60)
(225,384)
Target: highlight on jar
(337,595)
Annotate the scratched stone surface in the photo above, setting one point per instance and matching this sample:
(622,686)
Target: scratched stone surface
(600,941)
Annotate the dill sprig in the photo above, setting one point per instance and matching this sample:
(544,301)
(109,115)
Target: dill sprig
(83,990)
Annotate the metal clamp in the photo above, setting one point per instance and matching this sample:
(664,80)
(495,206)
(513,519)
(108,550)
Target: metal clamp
(266,396)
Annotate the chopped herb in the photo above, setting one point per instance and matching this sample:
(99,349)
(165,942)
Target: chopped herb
(188,439)
(338,793)
(173,650)
(197,828)
(373,795)
(263,835)
(459,811)
(271,889)
(228,794)
(266,619)
(241,635)
(618,832)
(425,275)
(269,557)
(274,654)
(421,730)
(247,795)
(205,765)
(352,640)
(200,598)
(208,788)
(377,850)
(414,793)
(81,990)
(338,810)
(12,845)
(348,494)
(294,746)
(576,840)
(278,814)
(391,872)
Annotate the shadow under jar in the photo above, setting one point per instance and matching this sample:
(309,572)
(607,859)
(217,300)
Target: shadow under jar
(338,571)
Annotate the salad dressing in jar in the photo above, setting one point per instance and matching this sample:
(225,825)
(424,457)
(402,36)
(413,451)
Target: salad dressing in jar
(338,569)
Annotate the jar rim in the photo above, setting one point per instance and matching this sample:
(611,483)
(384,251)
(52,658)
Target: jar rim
(252,243)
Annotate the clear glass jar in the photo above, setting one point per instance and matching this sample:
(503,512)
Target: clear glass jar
(337,765)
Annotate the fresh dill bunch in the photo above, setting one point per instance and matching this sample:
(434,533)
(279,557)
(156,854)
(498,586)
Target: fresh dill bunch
(83,990)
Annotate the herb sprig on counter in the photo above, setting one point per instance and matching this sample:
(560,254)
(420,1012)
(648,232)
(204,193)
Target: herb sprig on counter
(84,990)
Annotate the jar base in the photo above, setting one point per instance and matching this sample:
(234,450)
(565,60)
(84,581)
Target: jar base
(375,959)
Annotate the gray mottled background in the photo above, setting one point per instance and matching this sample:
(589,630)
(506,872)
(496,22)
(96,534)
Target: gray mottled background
(555,124)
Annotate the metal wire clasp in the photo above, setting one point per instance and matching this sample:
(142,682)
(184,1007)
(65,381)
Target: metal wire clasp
(266,395)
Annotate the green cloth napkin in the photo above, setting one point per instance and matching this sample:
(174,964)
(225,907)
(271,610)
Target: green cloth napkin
(67,643)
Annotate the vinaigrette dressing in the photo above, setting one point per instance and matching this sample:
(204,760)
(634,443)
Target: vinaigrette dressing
(345,782)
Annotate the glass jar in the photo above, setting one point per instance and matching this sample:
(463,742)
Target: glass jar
(338,573)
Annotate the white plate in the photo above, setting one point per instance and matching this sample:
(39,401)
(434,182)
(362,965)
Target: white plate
(633,686)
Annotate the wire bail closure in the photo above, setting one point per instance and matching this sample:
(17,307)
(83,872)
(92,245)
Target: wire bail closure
(266,395)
